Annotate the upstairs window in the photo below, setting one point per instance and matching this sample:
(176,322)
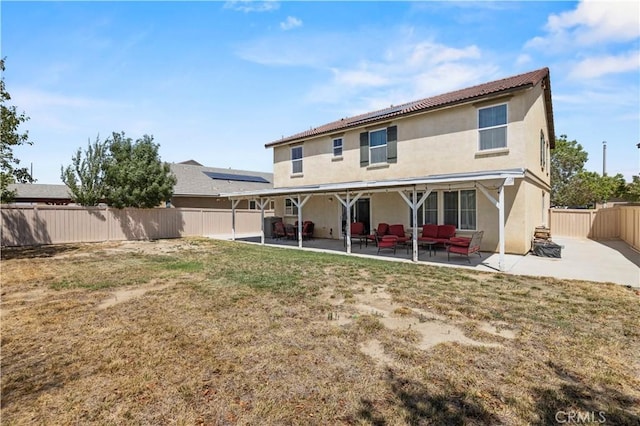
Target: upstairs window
(337,147)
(492,125)
(378,146)
(296,160)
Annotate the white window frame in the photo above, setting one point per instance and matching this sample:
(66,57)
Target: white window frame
(253,205)
(499,126)
(340,146)
(379,147)
(296,163)
(290,209)
(459,208)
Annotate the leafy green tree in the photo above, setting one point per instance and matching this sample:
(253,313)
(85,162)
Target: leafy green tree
(567,160)
(86,176)
(135,176)
(10,137)
(632,192)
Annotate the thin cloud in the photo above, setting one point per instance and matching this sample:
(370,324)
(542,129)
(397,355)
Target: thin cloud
(595,67)
(592,22)
(248,6)
(290,23)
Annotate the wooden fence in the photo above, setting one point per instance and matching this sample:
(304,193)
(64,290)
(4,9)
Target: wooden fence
(612,222)
(36,225)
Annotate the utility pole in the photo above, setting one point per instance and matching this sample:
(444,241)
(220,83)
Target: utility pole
(604,158)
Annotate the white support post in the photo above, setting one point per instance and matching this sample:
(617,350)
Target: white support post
(234,204)
(501,265)
(414,204)
(347,231)
(414,215)
(348,203)
(499,204)
(262,203)
(299,204)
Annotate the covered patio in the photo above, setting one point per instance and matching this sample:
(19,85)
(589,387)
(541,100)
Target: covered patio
(413,191)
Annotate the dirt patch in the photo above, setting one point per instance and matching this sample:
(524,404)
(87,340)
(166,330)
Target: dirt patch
(124,295)
(432,328)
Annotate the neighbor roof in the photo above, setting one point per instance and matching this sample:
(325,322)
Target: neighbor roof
(39,192)
(498,87)
(193,180)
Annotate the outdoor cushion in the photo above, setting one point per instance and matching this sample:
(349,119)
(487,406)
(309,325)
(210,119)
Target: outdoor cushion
(446,231)
(460,241)
(398,231)
(429,231)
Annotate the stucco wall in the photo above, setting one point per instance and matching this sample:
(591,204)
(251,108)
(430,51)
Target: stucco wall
(438,142)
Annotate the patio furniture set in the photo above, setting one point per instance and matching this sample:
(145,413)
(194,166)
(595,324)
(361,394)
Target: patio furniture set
(290,231)
(392,236)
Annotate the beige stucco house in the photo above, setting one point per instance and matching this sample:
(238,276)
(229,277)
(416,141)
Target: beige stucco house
(477,158)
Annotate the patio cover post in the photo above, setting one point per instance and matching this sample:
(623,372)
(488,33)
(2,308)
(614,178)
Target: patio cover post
(415,204)
(299,204)
(234,204)
(262,202)
(499,204)
(348,203)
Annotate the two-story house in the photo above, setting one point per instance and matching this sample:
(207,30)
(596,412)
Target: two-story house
(477,158)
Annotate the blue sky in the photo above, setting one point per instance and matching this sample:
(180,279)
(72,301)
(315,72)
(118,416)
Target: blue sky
(215,81)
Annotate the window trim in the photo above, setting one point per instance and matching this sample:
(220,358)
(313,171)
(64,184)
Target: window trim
(459,208)
(386,144)
(294,161)
(333,142)
(290,208)
(505,125)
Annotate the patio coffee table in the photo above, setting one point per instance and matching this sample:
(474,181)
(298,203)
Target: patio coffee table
(430,245)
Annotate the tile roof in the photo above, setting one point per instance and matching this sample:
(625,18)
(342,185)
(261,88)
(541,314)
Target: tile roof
(193,182)
(505,85)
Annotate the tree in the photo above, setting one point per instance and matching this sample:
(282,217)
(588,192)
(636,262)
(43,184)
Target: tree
(567,160)
(134,174)
(632,192)
(86,179)
(572,185)
(10,137)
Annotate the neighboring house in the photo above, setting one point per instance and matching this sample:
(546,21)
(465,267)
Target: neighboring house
(477,158)
(39,193)
(197,187)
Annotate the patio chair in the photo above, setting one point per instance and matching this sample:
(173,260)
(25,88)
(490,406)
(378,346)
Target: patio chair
(398,231)
(465,246)
(357,232)
(290,232)
(382,230)
(388,242)
(307,229)
(278,230)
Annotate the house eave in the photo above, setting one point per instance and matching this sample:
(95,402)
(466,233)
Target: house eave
(432,181)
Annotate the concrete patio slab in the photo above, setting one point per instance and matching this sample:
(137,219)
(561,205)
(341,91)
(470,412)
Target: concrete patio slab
(582,259)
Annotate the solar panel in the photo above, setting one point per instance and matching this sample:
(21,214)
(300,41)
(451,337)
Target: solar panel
(379,113)
(235,177)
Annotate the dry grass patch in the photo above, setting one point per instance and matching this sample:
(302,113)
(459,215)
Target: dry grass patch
(220,333)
